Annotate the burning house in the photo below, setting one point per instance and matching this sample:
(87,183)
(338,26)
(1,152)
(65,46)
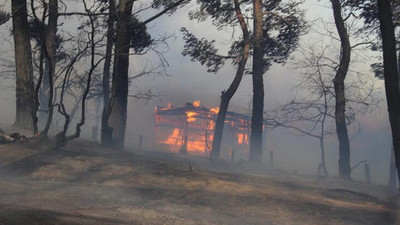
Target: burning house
(190,129)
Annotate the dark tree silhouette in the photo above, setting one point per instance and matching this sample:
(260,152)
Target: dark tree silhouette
(338,81)
(129,30)
(385,16)
(24,71)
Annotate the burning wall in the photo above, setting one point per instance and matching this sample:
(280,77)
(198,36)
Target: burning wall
(191,128)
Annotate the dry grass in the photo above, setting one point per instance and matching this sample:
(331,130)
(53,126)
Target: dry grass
(86,184)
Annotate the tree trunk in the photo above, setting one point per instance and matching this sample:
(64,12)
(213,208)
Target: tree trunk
(392,174)
(338,81)
(219,126)
(25,114)
(392,168)
(322,145)
(106,132)
(114,134)
(44,96)
(391,75)
(109,47)
(258,85)
(227,96)
(50,41)
(398,67)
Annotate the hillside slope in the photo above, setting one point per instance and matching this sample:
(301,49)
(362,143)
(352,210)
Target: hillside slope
(87,184)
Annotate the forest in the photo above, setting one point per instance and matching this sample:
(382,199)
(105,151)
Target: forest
(199,112)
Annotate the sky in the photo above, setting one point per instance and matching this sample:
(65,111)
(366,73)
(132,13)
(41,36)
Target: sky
(189,81)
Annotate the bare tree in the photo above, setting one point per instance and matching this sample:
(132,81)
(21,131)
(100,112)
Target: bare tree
(312,111)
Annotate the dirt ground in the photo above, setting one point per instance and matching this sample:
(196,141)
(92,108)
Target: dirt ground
(87,184)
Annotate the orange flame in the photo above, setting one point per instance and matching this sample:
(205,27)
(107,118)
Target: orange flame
(173,138)
(190,116)
(195,143)
(211,125)
(214,110)
(196,103)
(240,138)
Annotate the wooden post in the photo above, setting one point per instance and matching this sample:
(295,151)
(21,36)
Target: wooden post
(367,173)
(94,133)
(271,158)
(140,142)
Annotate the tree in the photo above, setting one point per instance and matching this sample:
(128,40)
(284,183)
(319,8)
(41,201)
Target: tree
(117,111)
(280,39)
(107,64)
(24,72)
(128,29)
(47,40)
(368,11)
(312,111)
(258,85)
(338,81)
(385,16)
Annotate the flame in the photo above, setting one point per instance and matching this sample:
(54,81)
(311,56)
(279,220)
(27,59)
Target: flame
(240,138)
(196,146)
(214,110)
(173,138)
(196,103)
(196,129)
(195,143)
(190,116)
(211,125)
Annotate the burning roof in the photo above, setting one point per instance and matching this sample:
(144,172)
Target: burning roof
(200,112)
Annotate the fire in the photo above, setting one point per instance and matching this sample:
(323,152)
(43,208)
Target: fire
(211,125)
(173,138)
(242,138)
(191,128)
(196,146)
(190,116)
(196,103)
(214,110)
(195,143)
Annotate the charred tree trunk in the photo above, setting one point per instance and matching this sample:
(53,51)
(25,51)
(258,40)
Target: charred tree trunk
(258,85)
(398,67)
(392,171)
(50,53)
(44,95)
(227,96)
(25,114)
(113,132)
(106,131)
(338,81)
(390,74)
(108,57)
